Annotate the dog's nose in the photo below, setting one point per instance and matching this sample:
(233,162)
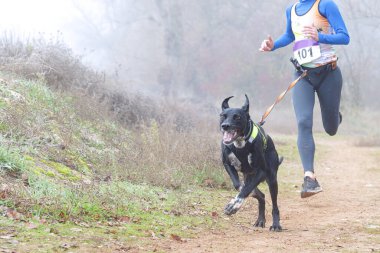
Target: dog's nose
(225,126)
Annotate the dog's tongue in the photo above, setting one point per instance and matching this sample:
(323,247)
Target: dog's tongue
(228,136)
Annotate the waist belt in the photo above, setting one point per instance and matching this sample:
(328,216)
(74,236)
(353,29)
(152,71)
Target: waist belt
(331,66)
(303,70)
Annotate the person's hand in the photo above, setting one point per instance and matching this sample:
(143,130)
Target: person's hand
(311,32)
(267,45)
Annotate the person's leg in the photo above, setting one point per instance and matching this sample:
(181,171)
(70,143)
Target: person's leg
(303,103)
(329,93)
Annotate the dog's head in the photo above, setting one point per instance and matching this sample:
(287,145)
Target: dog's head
(234,121)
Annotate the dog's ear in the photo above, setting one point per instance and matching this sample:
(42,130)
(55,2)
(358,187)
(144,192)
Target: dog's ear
(246,104)
(225,103)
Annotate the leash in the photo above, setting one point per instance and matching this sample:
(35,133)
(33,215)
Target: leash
(282,95)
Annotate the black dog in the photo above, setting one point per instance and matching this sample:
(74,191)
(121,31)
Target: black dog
(246,148)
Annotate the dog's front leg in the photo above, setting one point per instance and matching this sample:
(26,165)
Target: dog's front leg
(250,183)
(233,175)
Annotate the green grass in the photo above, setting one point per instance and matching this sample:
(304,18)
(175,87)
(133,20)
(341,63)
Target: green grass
(137,211)
(11,160)
(37,93)
(63,171)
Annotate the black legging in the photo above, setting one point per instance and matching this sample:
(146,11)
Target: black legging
(327,83)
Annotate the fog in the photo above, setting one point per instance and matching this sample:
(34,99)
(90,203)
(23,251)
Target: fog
(199,49)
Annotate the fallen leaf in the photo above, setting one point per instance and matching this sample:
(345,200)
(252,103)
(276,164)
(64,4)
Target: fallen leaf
(3,194)
(111,231)
(209,183)
(214,214)
(31,225)
(13,214)
(176,237)
(43,221)
(62,215)
(124,219)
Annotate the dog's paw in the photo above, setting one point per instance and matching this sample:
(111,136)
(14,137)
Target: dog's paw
(259,223)
(275,228)
(233,206)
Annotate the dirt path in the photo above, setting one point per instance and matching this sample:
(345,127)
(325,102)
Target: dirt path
(344,218)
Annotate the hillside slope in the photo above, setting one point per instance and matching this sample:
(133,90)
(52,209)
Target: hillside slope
(64,158)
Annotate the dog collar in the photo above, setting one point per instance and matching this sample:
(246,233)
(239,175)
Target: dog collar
(246,137)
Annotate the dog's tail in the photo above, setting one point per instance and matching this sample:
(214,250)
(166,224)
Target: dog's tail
(280,159)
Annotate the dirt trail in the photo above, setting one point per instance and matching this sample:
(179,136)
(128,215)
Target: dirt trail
(344,218)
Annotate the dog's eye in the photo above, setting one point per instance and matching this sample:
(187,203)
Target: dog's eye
(237,117)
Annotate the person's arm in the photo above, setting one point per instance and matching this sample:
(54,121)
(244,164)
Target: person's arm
(288,36)
(330,10)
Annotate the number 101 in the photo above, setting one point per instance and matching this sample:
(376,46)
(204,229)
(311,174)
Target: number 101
(302,54)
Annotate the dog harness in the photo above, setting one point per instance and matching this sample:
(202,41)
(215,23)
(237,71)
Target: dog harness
(256,130)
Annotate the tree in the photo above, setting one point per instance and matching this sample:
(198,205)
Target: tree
(363,23)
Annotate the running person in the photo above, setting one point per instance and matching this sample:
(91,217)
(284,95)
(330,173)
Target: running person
(315,26)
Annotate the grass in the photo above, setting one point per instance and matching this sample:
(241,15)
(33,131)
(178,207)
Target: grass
(11,161)
(146,213)
(372,229)
(286,146)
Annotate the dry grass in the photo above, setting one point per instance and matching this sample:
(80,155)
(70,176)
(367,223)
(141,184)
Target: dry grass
(54,63)
(36,58)
(60,126)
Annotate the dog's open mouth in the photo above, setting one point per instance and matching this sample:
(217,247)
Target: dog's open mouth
(230,136)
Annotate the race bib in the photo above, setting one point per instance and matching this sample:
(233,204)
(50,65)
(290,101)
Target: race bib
(306,51)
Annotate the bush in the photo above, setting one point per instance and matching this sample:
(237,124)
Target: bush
(56,64)
(48,59)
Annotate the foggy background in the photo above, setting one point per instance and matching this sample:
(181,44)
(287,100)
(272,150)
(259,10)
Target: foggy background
(198,50)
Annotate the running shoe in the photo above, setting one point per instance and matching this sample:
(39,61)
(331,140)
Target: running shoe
(310,187)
